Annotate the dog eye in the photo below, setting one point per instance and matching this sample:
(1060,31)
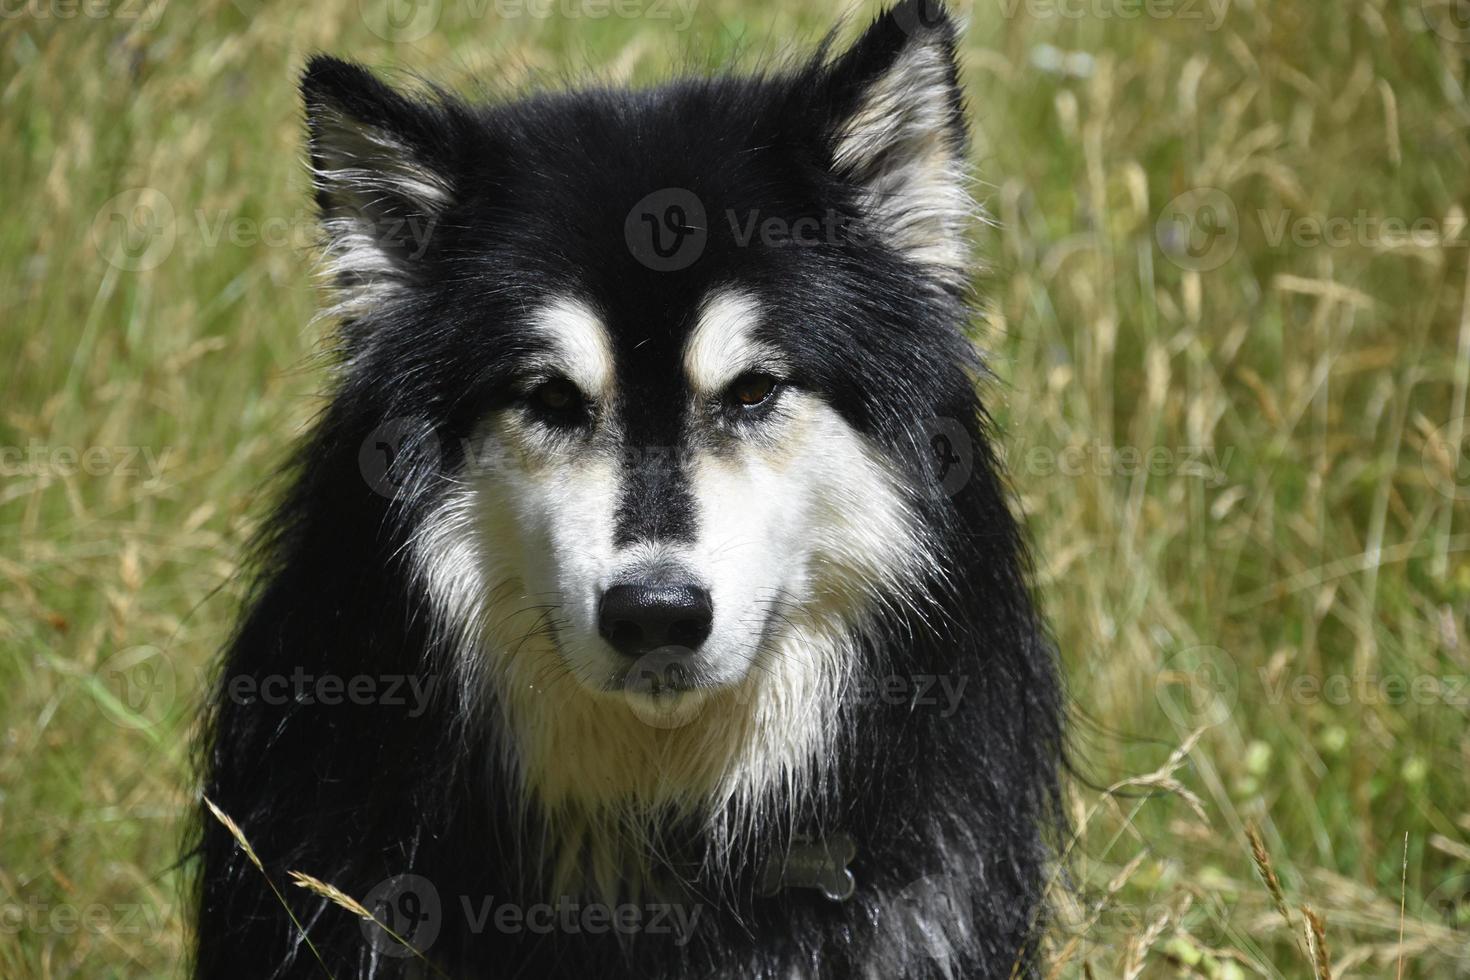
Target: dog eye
(751,389)
(558,398)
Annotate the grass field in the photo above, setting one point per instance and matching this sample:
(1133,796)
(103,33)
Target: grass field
(1227,300)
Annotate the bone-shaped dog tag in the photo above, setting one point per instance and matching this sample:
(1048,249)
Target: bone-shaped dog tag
(820,864)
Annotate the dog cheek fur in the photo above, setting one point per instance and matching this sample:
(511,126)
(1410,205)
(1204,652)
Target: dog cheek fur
(588,763)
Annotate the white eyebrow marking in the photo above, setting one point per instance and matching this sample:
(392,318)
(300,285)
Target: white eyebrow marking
(721,347)
(581,348)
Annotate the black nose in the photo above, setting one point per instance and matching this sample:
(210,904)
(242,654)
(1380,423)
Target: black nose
(638,618)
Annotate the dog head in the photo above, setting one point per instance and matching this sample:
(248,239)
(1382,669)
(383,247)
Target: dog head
(662,369)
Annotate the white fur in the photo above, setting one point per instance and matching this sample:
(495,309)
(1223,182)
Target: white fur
(897,143)
(799,533)
(580,347)
(357,166)
(721,346)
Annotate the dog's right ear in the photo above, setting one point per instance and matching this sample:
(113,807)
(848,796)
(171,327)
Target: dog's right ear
(383,166)
(892,111)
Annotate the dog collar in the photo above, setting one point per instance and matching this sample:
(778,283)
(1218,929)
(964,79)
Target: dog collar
(813,862)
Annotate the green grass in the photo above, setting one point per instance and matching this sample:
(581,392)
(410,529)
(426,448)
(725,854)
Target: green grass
(1304,519)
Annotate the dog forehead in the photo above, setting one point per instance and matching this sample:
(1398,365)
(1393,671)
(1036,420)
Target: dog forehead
(702,350)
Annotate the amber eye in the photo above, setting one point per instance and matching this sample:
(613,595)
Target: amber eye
(557,397)
(752,388)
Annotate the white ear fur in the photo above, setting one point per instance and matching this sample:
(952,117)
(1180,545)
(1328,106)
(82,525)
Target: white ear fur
(903,144)
(380,202)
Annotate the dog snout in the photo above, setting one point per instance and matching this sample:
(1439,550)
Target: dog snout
(636,618)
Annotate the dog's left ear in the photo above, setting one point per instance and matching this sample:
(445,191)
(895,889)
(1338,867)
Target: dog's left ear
(892,113)
(383,163)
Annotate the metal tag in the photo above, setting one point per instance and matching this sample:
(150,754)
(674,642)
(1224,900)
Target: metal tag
(820,864)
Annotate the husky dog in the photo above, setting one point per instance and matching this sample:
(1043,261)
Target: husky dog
(646,601)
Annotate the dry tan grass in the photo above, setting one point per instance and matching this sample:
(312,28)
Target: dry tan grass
(1306,523)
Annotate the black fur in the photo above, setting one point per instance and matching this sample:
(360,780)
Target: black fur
(539,193)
